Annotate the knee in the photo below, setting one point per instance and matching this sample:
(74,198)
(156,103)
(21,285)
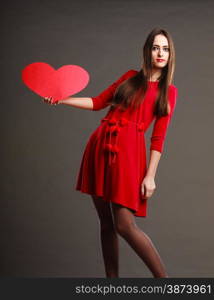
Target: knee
(106,225)
(125,229)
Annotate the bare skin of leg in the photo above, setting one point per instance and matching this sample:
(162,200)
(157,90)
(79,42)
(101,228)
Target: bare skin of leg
(126,227)
(109,237)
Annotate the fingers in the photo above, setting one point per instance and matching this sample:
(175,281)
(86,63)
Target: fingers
(142,190)
(146,192)
(48,100)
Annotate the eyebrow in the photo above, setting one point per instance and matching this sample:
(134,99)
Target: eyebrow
(159,46)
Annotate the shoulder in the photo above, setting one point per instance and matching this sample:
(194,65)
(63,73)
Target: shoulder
(173,90)
(172,87)
(130,73)
(173,93)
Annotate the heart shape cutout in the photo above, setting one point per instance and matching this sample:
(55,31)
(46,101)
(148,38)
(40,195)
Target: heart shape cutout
(45,81)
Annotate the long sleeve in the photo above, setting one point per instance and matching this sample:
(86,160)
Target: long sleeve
(161,123)
(101,101)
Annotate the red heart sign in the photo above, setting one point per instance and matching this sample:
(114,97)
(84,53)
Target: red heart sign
(45,81)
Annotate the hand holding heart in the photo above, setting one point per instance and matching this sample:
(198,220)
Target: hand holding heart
(49,101)
(59,84)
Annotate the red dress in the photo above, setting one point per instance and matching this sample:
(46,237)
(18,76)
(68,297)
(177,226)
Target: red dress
(114,161)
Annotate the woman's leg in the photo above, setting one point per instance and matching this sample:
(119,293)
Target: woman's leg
(109,238)
(137,239)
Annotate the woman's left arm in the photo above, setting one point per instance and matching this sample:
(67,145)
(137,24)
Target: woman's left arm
(148,185)
(157,145)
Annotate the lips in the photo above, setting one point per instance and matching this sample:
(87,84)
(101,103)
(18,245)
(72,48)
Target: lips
(160,60)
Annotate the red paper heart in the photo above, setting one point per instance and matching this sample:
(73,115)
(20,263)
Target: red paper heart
(45,81)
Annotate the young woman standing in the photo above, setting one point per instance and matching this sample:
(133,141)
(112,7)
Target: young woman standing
(114,167)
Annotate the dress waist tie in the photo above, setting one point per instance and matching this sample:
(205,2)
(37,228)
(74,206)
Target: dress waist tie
(114,127)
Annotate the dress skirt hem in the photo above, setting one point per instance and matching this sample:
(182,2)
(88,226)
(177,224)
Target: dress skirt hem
(135,212)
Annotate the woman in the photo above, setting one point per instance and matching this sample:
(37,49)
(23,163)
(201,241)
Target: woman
(114,167)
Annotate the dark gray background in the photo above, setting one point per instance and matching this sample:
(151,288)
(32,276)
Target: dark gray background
(48,228)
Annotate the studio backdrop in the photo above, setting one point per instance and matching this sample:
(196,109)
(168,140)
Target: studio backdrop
(48,228)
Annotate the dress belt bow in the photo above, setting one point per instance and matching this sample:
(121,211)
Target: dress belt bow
(113,129)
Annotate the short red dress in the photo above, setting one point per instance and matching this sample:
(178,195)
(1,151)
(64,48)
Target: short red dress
(114,162)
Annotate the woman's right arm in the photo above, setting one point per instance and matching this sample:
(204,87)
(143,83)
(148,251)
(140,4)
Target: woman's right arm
(79,102)
(98,102)
(83,102)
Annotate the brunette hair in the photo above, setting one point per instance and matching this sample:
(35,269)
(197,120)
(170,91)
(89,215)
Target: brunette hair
(131,92)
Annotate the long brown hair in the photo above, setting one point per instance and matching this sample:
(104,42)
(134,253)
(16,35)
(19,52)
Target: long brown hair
(131,91)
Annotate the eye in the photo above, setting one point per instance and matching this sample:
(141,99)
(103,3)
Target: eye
(165,49)
(154,48)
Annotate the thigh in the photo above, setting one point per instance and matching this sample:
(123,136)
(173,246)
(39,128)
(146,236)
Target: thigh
(103,209)
(123,218)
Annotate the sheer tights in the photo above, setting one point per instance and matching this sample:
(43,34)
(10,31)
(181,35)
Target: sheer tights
(116,219)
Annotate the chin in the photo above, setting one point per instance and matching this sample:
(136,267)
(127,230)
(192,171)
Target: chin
(158,66)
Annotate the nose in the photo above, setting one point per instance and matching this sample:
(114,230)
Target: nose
(160,52)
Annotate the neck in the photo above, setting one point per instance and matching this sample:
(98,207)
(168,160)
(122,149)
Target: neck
(156,73)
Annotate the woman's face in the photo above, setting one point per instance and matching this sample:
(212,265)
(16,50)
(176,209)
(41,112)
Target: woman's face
(160,51)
